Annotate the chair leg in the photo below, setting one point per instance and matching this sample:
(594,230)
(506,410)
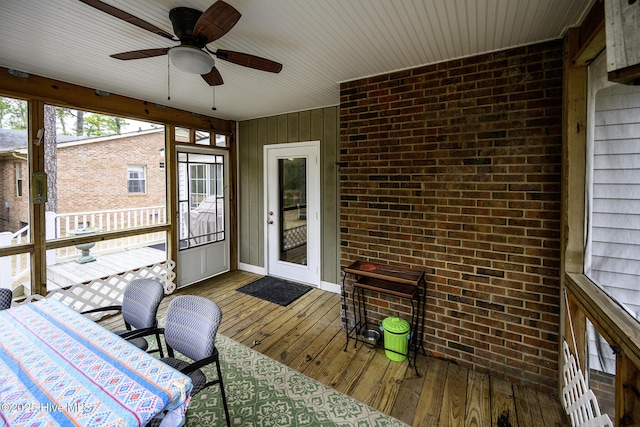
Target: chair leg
(224,396)
(159,345)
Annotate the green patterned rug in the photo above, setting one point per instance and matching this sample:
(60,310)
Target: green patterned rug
(263,392)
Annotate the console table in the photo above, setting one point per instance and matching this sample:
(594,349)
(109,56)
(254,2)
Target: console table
(389,280)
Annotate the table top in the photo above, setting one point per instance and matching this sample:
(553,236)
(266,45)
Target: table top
(58,367)
(386,272)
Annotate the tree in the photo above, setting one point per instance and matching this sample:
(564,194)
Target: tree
(13,114)
(80,123)
(89,124)
(101,125)
(51,158)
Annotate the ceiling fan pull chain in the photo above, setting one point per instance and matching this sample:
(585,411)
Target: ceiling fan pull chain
(214,98)
(168,79)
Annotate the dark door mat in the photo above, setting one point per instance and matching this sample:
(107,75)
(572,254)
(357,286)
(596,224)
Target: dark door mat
(275,290)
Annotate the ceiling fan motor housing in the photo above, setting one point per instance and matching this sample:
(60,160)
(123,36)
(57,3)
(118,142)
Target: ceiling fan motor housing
(184,21)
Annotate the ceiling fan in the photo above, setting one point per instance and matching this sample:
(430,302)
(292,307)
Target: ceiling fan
(194,30)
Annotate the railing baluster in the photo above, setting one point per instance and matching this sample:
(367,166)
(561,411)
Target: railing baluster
(109,220)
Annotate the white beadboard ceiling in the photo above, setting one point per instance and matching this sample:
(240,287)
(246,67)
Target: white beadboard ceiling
(319,42)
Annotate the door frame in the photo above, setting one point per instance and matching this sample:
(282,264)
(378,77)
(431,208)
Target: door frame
(311,273)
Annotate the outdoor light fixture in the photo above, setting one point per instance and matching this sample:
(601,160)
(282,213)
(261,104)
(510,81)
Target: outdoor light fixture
(191,59)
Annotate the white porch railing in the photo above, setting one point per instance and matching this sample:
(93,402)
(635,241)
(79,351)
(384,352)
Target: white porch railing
(16,267)
(66,225)
(109,220)
(13,268)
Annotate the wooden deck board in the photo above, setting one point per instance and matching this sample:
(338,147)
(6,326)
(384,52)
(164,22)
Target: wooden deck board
(428,410)
(329,362)
(455,395)
(315,319)
(348,380)
(277,324)
(390,385)
(528,407)
(371,380)
(503,409)
(405,406)
(308,336)
(478,411)
(553,414)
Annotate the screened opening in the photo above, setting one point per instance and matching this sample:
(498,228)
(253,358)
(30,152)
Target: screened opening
(612,257)
(613,249)
(103,175)
(201,199)
(15,272)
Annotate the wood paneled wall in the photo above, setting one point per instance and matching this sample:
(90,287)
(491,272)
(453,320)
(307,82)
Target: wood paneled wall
(311,125)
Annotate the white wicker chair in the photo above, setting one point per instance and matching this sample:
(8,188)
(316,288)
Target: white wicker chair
(579,402)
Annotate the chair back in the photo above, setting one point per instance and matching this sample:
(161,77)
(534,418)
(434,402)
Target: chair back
(191,325)
(140,302)
(5,298)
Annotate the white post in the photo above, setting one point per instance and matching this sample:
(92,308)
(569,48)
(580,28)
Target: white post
(50,227)
(5,261)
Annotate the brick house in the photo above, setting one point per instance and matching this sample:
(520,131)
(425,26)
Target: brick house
(94,174)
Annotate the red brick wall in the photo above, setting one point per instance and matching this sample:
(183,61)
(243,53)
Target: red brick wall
(18,208)
(93,177)
(454,168)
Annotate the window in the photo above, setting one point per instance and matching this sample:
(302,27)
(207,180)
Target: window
(203,138)
(200,137)
(198,184)
(136,179)
(183,135)
(222,140)
(19,179)
(201,199)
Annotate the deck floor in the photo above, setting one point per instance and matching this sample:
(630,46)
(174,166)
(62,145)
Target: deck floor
(308,336)
(69,273)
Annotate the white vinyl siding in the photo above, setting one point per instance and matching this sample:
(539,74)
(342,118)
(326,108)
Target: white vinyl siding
(615,220)
(613,246)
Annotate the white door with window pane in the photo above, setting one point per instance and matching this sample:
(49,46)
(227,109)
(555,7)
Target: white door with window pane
(203,214)
(292,214)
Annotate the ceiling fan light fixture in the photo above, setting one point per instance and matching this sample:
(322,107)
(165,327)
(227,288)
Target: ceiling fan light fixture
(191,59)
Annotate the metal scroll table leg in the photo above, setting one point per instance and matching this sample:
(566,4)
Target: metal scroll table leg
(357,308)
(422,302)
(345,319)
(413,348)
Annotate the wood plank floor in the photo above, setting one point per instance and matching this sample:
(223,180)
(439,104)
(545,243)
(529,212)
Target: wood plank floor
(307,335)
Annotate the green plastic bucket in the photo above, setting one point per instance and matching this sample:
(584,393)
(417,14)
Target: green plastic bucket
(396,338)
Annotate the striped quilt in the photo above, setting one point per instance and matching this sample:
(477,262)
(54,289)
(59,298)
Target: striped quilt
(59,368)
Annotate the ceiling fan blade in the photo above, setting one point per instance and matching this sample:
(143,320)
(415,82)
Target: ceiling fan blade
(125,16)
(215,22)
(141,54)
(213,77)
(250,61)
